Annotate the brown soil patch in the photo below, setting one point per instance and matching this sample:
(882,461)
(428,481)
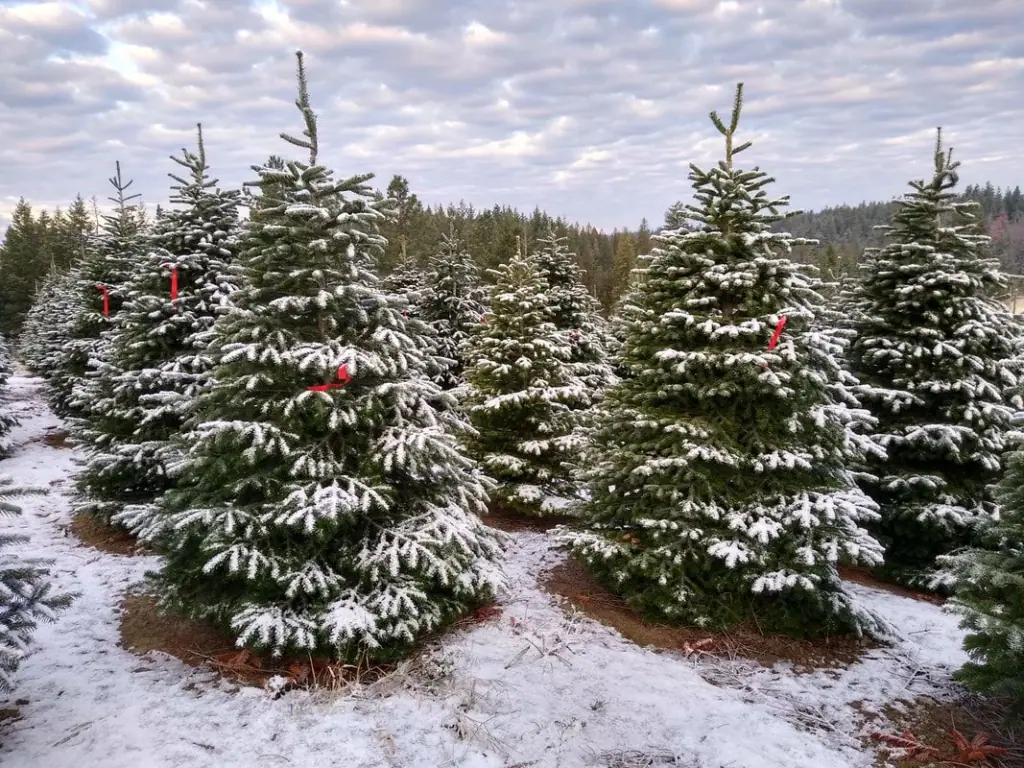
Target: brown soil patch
(864,577)
(145,628)
(929,723)
(57,439)
(511,521)
(572,581)
(106,538)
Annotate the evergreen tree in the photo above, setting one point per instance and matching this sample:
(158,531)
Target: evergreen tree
(990,595)
(98,297)
(719,488)
(7,419)
(937,353)
(574,314)
(21,266)
(452,304)
(344,520)
(522,393)
(624,263)
(26,596)
(46,332)
(156,364)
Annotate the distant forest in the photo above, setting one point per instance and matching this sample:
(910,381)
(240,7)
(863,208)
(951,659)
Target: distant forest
(38,241)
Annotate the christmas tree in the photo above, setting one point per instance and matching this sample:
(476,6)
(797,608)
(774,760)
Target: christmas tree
(719,489)
(452,304)
(156,364)
(26,596)
(990,595)
(47,329)
(938,355)
(575,315)
(324,505)
(98,296)
(7,419)
(521,394)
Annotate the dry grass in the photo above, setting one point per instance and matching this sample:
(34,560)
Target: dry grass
(145,628)
(58,438)
(571,581)
(931,721)
(106,538)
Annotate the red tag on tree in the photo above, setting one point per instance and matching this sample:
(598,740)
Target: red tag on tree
(344,377)
(106,300)
(778,332)
(174,282)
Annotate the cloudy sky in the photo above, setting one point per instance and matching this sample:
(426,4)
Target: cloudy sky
(592,109)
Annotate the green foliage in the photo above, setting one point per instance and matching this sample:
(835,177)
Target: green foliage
(938,355)
(522,393)
(719,484)
(26,594)
(108,262)
(341,522)
(156,363)
(990,596)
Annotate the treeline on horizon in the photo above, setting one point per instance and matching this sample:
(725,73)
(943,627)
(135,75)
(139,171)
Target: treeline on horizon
(38,242)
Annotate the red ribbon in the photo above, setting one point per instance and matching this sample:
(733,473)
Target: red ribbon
(174,281)
(778,332)
(106,300)
(343,378)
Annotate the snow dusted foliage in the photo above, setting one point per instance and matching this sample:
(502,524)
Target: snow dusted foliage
(938,354)
(990,594)
(574,313)
(343,521)
(7,419)
(719,485)
(521,394)
(46,331)
(109,261)
(452,304)
(26,596)
(157,362)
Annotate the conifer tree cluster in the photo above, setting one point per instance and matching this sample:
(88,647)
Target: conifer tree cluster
(939,357)
(310,443)
(155,363)
(323,503)
(7,419)
(720,487)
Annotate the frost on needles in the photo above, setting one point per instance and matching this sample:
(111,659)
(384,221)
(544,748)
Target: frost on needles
(345,521)
(156,359)
(720,489)
(938,356)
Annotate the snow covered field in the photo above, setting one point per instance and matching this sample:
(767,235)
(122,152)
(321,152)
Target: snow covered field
(538,686)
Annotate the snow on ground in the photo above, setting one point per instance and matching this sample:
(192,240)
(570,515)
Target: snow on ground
(540,686)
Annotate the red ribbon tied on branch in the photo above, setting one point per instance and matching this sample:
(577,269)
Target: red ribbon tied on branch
(106,300)
(344,377)
(174,280)
(778,332)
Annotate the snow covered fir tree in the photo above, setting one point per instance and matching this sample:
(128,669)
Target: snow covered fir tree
(720,491)
(157,363)
(97,295)
(324,505)
(521,394)
(26,593)
(452,304)
(938,355)
(575,314)
(990,594)
(7,419)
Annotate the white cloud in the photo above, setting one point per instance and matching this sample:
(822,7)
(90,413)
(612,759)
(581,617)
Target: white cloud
(591,109)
